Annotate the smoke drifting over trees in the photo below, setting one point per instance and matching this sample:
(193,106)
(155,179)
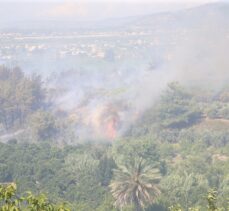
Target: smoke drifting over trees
(105,81)
(129,113)
(117,94)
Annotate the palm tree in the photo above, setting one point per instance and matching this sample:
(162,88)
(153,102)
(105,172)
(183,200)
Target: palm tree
(135,184)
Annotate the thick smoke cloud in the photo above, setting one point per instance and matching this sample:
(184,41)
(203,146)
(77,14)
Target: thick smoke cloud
(202,57)
(109,102)
(105,96)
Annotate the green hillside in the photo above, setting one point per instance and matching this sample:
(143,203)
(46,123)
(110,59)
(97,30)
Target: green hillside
(179,147)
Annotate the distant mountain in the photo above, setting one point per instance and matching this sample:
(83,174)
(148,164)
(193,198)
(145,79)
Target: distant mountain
(66,26)
(193,17)
(208,13)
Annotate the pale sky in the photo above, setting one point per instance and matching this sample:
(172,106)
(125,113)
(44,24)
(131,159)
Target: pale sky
(78,10)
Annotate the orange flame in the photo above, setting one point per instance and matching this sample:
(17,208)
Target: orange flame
(111,128)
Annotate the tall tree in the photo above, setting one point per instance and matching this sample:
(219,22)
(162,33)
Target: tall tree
(20,95)
(135,184)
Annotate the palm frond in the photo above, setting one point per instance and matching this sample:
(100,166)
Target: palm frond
(135,183)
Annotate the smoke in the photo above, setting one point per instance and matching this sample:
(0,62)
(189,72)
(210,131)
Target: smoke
(104,95)
(109,102)
(104,104)
(201,58)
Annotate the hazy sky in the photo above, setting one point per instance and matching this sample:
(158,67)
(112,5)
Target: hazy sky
(16,10)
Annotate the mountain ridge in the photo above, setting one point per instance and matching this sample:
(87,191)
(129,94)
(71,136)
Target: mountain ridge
(164,19)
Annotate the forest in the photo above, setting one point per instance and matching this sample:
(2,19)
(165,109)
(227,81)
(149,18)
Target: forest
(174,156)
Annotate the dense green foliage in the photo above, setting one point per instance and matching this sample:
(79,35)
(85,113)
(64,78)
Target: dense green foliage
(176,109)
(211,204)
(10,201)
(19,96)
(184,135)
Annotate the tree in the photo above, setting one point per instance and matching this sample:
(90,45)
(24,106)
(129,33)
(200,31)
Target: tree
(176,109)
(9,201)
(183,188)
(20,95)
(43,125)
(86,186)
(128,148)
(135,184)
(212,204)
